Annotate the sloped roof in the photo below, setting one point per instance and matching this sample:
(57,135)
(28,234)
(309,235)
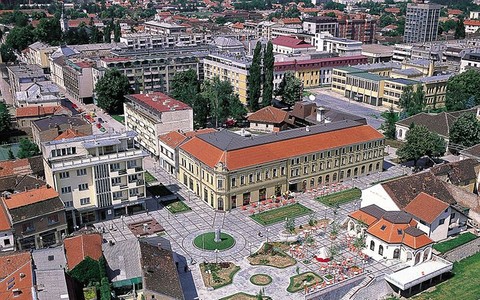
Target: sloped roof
(390,228)
(290,42)
(78,247)
(473,151)
(30,197)
(38,111)
(368,214)
(425,207)
(5,223)
(123,259)
(15,167)
(172,139)
(11,266)
(415,238)
(268,114)
(457,172)
(68,134)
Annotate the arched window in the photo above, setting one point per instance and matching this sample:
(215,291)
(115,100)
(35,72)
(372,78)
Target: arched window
(400,133)
(417,258)
(380,250)
(363,169)
(355,172)
(349,173)
(312,183)
(372,245)
(396,253)
(327,178)
(377,167)
(334,176)
(425,254)
(320,180)
(370,167)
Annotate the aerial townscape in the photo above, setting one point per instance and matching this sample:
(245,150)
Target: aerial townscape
(239,149)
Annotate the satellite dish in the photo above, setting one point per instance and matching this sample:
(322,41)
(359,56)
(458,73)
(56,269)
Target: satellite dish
(311,97)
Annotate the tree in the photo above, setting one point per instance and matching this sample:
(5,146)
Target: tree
(7,54)
(268,62)
(117,32)
(111,89)
(49,31)
(290,89)
(5,120)
(107,33)
(27,149)
(87,271)
(412,102)
(420,142)
(185,86)
(254,79)
(460,29)
(388,127)
(11,156)
(460,88)
(465,132)
(289,225)
(20,37)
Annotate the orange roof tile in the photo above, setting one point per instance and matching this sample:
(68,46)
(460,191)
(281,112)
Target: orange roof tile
(68,134)
(37,111)
(268,114)
(425,207)
(15,167)
(471,22)
(5,223)
(199,131)
(78,247)
(363,217)
(172,139)
(291,21)
(16,274)
(234,160)
(291,42)
(30,197)
(238,25)
(417,239)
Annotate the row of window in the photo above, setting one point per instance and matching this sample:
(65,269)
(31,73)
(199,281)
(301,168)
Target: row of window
(29,226)
(63,151)
(66,174)
(258,176)
(68,189)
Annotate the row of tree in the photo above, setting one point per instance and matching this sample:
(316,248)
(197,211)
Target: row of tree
(260,80)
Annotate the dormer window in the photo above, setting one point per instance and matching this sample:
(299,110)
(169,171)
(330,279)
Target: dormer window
(383,227)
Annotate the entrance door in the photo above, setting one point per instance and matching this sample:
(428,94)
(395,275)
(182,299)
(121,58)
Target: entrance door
(262,193)
(246,198)
(220,204)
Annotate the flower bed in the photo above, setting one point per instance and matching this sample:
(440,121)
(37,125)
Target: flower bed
(221,274)
(271,255)
(307,279)
(261,279)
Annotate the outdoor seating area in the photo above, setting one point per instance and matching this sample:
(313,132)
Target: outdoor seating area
(268,204)
(327,189)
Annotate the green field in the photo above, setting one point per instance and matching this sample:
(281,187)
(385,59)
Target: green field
(206,241)
(119,118)
(340,198)
(464,284)
(454,243)
(279,214)
(176,206)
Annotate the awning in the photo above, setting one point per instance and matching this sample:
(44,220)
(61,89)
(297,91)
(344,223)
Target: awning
(127,282)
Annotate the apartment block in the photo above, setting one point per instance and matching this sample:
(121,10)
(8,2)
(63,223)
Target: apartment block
(155,27)
(21,75)
(319,24)
(324,41)
(229,68)
(421,22)
(151,70)
(228,170)
(357,27)
(78,80)
(151,115)
(49,128)
(98,177)
(153,41)
(37,217)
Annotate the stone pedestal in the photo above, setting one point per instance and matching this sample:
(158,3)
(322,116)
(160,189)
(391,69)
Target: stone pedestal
(217,235)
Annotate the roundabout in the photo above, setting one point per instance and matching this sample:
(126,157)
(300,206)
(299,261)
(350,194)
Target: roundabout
(206,241)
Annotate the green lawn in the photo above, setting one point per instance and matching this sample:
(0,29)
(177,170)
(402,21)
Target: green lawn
(149,178)
(159,190)
(341,197)
(119,118)
(244,296)
(207,241)
(279,214)
(176,206)
(464,285)
(297,281)
(454,243)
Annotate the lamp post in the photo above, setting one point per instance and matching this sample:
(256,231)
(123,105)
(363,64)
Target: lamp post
(216,256)
(209,272)
(268,230)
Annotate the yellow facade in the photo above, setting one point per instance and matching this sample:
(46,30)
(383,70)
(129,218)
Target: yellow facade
(309,78)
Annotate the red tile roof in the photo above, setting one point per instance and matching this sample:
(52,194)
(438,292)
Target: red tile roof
(269,115)
(471,22)
(363,217)
(290,21)
(29,197)
(68,134)
(260,154)
(172,139)
(416,241)
(393,10)
(16,274)
(238,25)
(15,167)
(290,42)
(37,111)
(5,223)
(388,231)
(454,12)
(425,207)
(78,247)
(159,102)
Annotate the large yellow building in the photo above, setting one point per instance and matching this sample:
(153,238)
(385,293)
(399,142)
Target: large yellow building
(229,68)
(228,170)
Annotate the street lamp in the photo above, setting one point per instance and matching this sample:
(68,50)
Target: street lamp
(209,272)
(268,230)
(216,256)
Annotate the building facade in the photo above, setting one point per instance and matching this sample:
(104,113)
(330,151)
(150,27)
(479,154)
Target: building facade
(343,47)
(154,114)
(49,128)
(359,28)
(98,177)
(421,22)
(228,170)
(153,41)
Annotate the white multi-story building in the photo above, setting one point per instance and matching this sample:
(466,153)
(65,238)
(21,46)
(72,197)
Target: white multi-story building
(154,114)
(98,177)
(156,27)
(469,61)
(319,24)
(421,22)
(153,41)
(324,41)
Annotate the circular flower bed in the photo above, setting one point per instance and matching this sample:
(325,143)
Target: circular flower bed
(206,241)
(261,279)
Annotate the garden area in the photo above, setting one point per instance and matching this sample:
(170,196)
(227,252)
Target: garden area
(279,214)
(119,118)
(206,241)
(176,206)
(273,255)
(261,279)
(245,296)
(455,242)
(217,275)
(149,178)
(463,285)
(304,280)
(339,198)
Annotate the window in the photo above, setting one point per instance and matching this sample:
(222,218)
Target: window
(6,242)
(441,221)
(282,171)
(66,189)
(52,219)
(117,195)
(68,203)
(233,181)
(114,167)
(242,180)
(85,201)
(452,216)
(380,250)
(81,172)
(64,175)
(83,186)
(267,174)
(250,178)
(27,227)
(275,173)
(372,245)
(220,183)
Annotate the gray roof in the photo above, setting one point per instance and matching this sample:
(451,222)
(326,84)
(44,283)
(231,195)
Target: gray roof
(403,81)
(228,141)
(49,258)
(409,71)
(49,122)
(50,274)
(227,42)
(397,217)
(413,231)
(123,259)
(373,210)
(436,78)
(379,66)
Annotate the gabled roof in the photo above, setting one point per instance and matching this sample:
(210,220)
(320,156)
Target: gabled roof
(16,274)
(15,167)
(473,151)
(78,247)
(368,214)
(5,223)
(415,238)
(39,111)
(457,172)
(290,42)
(268,114)
(425,207)
(30,197)
(390,228)
(68,134)
(172,139)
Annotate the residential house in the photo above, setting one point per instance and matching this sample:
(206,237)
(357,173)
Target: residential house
(463,173)
(325,41)
(16,276)
(25,116)
(290,45)
(37,216)
(49,128)
(39,93)
(153,114)
(98,176)
(80,246)
(20,174)
(7,242)
(19,75)
(214,165)
(268,119)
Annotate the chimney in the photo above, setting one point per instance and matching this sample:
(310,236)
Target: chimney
(320,114)
(37,185)
(307,128)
